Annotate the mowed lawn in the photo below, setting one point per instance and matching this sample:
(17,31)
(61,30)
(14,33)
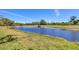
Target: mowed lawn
(32,41)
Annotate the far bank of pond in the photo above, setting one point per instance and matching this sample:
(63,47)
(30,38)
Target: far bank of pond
(32,41)
(66,27)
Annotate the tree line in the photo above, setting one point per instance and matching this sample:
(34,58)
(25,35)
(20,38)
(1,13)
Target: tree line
(72,21)
(7,22)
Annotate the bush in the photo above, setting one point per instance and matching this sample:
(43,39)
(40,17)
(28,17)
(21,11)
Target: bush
(7,38)
(43,22)
(30,48)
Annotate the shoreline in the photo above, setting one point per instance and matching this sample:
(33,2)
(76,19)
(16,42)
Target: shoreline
(57,27)
(33,41)
(64,27)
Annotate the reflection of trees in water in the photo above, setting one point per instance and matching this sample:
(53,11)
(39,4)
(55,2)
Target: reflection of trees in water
(42,30)
(69,35)
(47,31)
(74,36)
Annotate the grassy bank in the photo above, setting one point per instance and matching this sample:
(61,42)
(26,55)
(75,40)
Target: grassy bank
(31,41)
(68,27)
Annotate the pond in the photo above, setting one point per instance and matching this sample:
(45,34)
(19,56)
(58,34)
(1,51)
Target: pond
(66,34)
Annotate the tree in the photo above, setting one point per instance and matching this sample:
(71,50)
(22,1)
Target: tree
(1,23)
(73,20)
(43,22)
(7,22)
(35,23)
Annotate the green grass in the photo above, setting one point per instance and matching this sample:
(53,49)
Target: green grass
(32,41)
(67,27)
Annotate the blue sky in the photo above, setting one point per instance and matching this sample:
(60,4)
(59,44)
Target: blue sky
(31,15)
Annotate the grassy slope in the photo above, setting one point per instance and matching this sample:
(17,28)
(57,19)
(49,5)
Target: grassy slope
(31,41)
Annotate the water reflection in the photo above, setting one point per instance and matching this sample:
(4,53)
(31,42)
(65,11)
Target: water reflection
(66,34)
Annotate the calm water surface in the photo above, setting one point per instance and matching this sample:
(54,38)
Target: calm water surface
(66,34)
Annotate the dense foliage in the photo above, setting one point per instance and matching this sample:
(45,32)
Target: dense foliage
(7,22)
(73,20)
(43,22)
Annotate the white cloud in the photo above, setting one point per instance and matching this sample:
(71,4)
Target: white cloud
(22,18)
(14,14)
(57,13)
